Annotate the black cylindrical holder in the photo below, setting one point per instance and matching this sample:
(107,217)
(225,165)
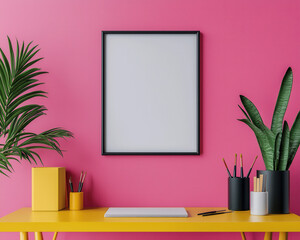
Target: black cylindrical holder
(278,188)
(238,194)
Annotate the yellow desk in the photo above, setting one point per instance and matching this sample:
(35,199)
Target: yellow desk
(92,220)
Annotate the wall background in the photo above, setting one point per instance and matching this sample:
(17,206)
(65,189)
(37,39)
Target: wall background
(246,49)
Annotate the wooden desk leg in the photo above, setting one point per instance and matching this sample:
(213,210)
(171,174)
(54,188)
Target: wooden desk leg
(243,235)
(283,236)
(268,236)
(38,236)
(23,235)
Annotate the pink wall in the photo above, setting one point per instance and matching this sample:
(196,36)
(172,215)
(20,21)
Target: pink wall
(246,48)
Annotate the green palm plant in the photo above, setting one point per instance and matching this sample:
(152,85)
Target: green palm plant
(17,84)
(278,144)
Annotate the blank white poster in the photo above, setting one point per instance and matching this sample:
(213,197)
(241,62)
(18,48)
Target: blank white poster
(151,93)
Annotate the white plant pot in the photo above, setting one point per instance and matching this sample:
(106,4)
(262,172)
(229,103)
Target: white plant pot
(259,203)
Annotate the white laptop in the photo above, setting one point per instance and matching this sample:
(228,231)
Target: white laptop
(146,212)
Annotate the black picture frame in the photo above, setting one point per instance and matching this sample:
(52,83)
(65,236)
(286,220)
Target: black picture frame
(103,92)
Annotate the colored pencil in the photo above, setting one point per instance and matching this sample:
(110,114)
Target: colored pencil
(80,179)
(254,184)
(261,177)
(83,177)
(234,168)
(252,166)
(257,184)
(242,171)
(71,184)
(227,168)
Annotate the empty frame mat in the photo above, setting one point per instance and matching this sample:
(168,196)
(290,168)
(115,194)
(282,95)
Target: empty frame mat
(150,93)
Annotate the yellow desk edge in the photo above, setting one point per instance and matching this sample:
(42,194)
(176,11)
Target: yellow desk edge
(92,220)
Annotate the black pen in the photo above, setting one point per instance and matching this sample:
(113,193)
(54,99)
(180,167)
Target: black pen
(212,212)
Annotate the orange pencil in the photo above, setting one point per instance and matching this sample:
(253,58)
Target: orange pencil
(254,184)
(227,168)
(242,171)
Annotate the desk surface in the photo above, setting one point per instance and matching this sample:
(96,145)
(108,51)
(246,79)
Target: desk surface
(92,220)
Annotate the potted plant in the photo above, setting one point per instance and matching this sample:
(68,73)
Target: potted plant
(278,144)
(17,85)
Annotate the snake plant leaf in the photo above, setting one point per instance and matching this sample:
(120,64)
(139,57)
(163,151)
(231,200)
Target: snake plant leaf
(246,115)
(294,140)
(284,148)
(277,150)
(282,101)
(257,120)
(265,147)
(252,111)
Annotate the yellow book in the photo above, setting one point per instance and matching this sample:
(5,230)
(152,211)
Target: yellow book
(48,188)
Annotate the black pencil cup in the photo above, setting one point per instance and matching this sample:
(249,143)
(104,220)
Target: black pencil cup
(238,194)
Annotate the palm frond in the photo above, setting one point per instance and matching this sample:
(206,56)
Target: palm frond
(17,85)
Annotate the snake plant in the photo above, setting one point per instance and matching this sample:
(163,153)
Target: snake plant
(17,86)
(278,144)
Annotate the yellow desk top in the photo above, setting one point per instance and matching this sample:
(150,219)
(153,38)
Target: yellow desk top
(92,220)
